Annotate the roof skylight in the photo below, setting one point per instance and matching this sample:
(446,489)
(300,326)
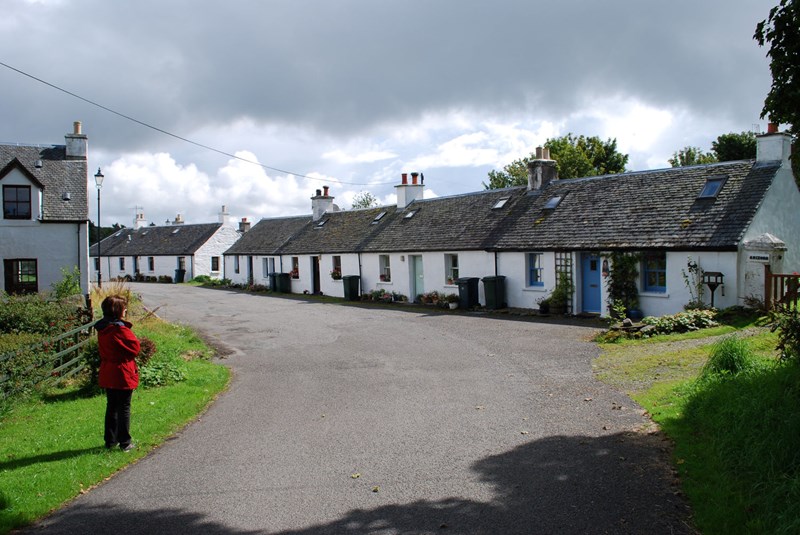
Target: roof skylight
(553,202)
(378,218)
(321,223)
(712,187)
(410,214)
(176,231)
(500,203)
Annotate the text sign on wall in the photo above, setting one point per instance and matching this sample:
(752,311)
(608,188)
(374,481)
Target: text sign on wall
(759,258)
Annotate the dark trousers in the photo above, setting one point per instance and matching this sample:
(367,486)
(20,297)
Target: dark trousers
(118,417)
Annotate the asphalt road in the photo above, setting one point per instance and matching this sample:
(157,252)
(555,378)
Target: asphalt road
(350,420)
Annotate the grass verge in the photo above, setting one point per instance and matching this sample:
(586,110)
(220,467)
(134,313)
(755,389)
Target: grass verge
(51,446)
(737,436)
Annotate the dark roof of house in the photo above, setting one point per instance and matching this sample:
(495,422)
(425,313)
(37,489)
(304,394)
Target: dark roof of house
(641,210)
(157,241)
(459,222)
(57,175)
(268,235)
(340,232)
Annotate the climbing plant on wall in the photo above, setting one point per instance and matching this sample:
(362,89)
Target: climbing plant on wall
(622,279)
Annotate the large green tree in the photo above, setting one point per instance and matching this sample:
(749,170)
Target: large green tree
(575,156)
(781,32)
(726,148)
(730,147)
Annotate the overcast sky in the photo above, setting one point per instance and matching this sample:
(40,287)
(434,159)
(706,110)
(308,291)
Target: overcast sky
(351,93)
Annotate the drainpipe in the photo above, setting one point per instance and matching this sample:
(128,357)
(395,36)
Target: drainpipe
(495,263)
(360,278)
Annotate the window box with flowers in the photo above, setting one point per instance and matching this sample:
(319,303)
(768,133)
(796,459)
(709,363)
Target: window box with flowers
(295,273)
(336,274)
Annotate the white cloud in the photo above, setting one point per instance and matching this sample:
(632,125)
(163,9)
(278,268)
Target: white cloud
(340,156)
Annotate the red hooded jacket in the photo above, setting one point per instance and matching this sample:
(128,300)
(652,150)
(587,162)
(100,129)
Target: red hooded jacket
(118,350)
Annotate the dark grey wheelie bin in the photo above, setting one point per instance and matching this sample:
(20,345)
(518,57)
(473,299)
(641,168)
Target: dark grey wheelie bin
(467,292)
(284,283)
(351,284)
(494,288)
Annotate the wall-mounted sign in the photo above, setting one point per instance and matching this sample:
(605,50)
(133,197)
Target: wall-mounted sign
(759,258)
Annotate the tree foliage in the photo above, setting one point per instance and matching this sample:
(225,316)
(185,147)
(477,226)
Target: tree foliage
(691,156)
(575,156)
(726,148)
(364,199)
(781,32)
(732,146)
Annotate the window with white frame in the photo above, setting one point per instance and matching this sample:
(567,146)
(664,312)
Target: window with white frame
(182,263)
(122,263)
(534,269)
(21,276)
(214,263)
(295,267)
(654,272)
(96,263)
(451,268)
(385,266)
(236,264)
(151,263)
(336,267)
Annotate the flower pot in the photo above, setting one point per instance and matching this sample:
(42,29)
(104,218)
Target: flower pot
(453,306)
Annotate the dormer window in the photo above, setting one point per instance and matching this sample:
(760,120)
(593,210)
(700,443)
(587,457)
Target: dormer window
(712,187)
(500,203)
(16,202)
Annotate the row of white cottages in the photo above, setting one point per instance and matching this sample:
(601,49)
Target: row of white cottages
(733,218)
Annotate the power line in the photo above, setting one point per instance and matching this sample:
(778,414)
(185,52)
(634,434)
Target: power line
(170,134)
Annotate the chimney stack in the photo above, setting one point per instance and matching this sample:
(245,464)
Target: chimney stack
(244,225)
(542,170)
(224,216)
(408,193)
(138,221)
(77,144)
(774,146)
(321,203)
(178,220)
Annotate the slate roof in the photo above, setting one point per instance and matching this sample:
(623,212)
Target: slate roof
(640,210)
(267,236)
(643,210)
(173,240)
(57,176)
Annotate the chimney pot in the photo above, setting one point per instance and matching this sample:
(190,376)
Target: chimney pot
(76,126)
(319,192)
(545,153)
(414,177)
(404,178)
(325,188)
(539,153)
(772,128)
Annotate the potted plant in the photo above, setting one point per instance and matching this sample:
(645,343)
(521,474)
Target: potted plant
(336,274)
(544,305)
(452,301)
(562,294)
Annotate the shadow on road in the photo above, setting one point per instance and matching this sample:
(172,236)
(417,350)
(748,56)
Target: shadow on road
(617,483)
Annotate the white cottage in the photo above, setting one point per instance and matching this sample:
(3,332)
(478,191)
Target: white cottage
(44,229)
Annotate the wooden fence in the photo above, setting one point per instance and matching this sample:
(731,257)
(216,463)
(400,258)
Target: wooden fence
(60,354)
(781,289)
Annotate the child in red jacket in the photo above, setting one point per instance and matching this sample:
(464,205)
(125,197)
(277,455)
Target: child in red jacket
(118,372)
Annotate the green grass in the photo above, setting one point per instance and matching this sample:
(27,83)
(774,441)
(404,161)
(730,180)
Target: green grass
(737,436)
(51,447)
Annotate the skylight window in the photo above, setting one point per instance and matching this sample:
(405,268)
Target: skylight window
(553,203)
(378,218)
(712,187)
(118,234)
(176,231)
(499,204)
(321,223)
(410,214)
(145,233)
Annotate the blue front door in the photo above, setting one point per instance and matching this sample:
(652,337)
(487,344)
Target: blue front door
(590,275)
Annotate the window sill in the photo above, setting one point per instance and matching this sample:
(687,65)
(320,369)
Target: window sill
(386,283)
(538,289)
(662,295)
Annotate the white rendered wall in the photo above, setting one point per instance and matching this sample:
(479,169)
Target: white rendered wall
(53,245)
(221,241)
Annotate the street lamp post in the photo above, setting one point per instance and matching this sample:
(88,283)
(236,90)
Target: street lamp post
(98,180)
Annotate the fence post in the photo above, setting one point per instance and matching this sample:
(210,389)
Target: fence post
(767,287)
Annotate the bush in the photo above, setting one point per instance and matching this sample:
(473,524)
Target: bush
(32,313)
(691,320)
(69,285)
(22,364)
(146,351)
(730,355)
(161,373)
(787,323)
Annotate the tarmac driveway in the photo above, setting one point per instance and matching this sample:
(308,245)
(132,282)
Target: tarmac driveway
(346,420)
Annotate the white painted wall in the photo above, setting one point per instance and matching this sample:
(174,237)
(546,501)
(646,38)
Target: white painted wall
(53,245)
(514,267)
(163,265)
(221,241)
